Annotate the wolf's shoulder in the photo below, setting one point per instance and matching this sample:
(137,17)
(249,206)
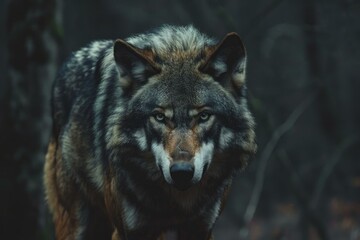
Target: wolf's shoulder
(80,68)
(86,57)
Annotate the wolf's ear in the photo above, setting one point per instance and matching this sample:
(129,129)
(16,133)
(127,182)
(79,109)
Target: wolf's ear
(226,62)
(136,65)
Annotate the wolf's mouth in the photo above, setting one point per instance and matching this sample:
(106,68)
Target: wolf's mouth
(182,174)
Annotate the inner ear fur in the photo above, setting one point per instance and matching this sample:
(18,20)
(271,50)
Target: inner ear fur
(226,62)
(136,63)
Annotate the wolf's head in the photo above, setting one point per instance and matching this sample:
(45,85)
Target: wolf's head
(185,102)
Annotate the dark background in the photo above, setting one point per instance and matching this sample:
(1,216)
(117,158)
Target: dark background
(303,79)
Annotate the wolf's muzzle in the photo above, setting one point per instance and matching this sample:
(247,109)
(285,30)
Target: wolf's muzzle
(182,174)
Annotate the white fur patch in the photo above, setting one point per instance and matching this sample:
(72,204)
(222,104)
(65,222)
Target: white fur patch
(240,73)
(141,139)
(138,70)
(226,136)
(220,66)
(79,56)
(95,47)
(131,215)
(213,214)
(202,157)
(162,160)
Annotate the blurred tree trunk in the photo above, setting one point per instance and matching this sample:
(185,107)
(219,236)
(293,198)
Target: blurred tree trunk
(33,31)
(328,119)
(311,222)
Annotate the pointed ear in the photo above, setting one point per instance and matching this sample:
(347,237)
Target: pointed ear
(227,62)
(135,65)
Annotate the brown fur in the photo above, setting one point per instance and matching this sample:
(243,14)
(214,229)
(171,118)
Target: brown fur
(64,218)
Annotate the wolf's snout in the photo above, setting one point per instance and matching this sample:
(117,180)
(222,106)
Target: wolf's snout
(182,155)
(182,174)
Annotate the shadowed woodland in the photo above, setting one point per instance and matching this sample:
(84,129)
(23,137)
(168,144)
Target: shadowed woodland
(303,79)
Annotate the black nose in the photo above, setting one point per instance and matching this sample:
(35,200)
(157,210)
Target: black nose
(182,173)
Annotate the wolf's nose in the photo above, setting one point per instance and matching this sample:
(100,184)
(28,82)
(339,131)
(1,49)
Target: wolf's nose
(182,173)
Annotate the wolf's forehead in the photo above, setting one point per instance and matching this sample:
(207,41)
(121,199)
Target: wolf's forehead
(179,100)
(180,91)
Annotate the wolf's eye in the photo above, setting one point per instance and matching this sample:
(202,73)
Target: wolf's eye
(204,116)
(160,117)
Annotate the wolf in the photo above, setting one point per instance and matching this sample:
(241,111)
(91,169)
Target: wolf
(148,133)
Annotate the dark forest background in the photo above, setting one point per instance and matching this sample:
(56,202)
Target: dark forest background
(304,83)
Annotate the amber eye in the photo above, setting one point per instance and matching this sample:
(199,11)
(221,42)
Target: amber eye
(204,116)
(160,117)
